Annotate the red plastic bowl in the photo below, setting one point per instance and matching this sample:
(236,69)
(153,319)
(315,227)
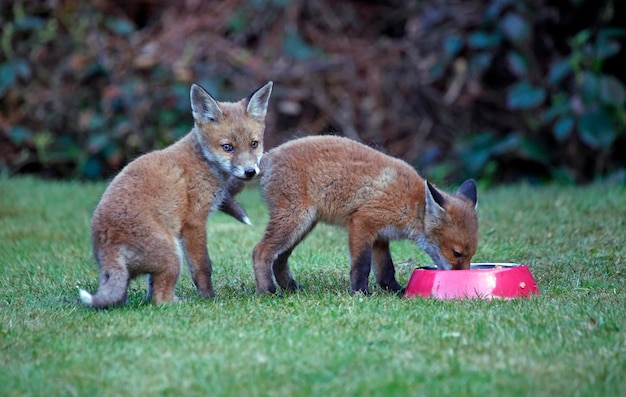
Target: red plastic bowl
(483,280)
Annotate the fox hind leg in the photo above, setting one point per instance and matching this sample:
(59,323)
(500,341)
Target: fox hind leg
(162,260)
(163,284)
(284,231)
(283,274)
(162,281)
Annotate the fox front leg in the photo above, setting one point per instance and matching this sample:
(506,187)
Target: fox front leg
(197,255)
(383,267)
(360,243)
(231,207)
(361,261)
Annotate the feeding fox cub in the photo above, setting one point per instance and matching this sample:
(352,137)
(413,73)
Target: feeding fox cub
(376,197)
(154,212)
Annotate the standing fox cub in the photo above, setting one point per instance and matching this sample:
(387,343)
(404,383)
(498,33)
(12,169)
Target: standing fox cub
(376,197)
(154,212)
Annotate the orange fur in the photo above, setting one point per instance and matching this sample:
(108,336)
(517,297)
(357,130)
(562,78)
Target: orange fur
(376,197)
(153,214)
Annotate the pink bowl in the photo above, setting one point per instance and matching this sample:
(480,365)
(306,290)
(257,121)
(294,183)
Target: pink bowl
(483,280)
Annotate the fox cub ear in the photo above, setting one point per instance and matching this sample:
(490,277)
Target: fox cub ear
(204,108)
(257,101)
(468,190)
(435,203)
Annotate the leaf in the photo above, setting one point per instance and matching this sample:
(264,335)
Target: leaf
(21,68)
(506,144)
(96,122)
(559,70)
(523,95)
(515,28)
(580,38)
(606,48)
(7,78)
(606,33)
(482,40)
(478,151)
(121,26)
(237,22)
(92,168)
(96,142)
(476,160)
(29,22)
(263,4)
(559,106)
(479,63)
(533,149)
(492,13)
(483,147)
(20,134)
(10,71)
(296,47)
(611,91)
(596,129)
(517,63)
(563,128)
(437,70)
(452,46)
(43,139)
(590,87)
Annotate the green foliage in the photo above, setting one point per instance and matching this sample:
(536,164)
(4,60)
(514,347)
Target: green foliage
(567,341)
(523,95)
(85,87)
(85,112)
(297,48)
(600,110)
(10,72)
(567,116)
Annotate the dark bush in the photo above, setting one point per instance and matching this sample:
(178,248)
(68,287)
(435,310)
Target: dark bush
(498,90)
(540,98)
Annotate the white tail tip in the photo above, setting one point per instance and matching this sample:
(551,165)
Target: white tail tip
(246,220)
(85,297)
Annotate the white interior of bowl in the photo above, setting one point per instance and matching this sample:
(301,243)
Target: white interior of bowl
(493,265)
(478,266)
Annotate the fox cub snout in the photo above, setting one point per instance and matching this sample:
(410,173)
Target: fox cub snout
(376,197)
(153,214)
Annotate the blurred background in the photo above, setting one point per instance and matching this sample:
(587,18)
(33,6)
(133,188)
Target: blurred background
(498,90)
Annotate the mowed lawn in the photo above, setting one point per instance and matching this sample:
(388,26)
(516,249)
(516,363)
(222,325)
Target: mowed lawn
(323,341)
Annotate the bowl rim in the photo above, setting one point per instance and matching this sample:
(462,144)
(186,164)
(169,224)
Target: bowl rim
(477,266)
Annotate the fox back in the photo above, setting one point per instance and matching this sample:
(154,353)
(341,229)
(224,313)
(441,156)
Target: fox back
(153,214)
(376,197)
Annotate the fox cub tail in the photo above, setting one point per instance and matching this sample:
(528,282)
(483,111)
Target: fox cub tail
(111,292)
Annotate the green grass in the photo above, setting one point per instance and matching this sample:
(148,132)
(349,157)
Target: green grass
(568,341)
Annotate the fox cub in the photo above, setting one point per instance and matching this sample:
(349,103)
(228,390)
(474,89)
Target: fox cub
(376,197)
(154,212)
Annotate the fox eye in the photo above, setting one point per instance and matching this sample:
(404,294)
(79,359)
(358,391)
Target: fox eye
(456,254)
(255,144)
(227,147)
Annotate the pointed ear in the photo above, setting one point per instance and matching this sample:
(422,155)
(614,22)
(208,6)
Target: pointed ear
(203,107)
(468,190)
(257,101)
(434,205)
